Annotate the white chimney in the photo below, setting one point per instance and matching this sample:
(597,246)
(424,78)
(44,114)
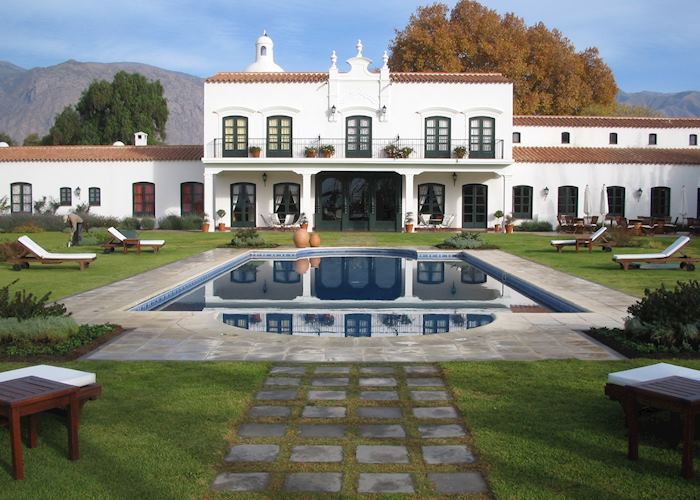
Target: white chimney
(140,139)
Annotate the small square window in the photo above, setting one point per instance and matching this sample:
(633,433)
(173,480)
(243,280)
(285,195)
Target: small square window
(565,138)
(516,137)
(693,140)
(652,139)
(613,138)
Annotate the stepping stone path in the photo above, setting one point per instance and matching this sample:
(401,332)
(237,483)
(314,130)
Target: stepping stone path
(352,430)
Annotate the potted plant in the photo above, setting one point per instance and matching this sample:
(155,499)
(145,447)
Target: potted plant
(255,151)
(205,223)
(509,223)
(409,221)
(394,151)
(303,221)
(460,152)
(220,213)
(327,150)
(310,152)
(497,226)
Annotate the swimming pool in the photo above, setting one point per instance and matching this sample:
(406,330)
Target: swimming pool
(356,293)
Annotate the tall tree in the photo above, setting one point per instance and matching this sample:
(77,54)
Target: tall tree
(113,111)
(549,75)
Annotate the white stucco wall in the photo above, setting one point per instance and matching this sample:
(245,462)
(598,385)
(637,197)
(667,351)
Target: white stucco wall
(600,137)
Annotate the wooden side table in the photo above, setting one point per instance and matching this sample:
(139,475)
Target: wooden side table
(678,394)
(28,396)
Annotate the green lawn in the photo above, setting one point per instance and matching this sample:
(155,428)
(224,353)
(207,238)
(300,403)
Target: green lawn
(158,431)
(553,434)
(64,280)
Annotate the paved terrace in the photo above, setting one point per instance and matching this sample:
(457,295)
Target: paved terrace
(200,336)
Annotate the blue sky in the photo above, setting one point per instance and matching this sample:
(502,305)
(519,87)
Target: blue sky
(650,44)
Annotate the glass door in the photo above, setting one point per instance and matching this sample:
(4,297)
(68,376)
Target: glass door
(474,201)
(243,204)
(387,196)
(358,204)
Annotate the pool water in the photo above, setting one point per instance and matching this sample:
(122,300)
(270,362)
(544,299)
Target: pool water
(355,296)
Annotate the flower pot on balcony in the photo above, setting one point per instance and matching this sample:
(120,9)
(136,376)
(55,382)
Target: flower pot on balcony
(310,152)
(315,239)
(255,151)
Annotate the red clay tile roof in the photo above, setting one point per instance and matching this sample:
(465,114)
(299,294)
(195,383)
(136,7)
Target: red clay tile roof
(651,156)
(316,77)
(605,121)
(101,153)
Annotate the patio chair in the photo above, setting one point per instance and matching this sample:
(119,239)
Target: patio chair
(272,221)
(666,257)
(446,221)
(423,220)
(565,224)
(289,222)
(119,240)
(32,252)
(693,225)
(584,241)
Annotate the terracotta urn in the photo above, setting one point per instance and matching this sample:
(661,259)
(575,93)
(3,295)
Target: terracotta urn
(301,238)
(315,262)
(315,239)
(301,266)
(205,227)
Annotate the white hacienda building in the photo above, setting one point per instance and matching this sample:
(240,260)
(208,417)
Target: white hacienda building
(358,149)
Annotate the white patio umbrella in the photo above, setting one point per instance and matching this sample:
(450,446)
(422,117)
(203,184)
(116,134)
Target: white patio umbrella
(684,202)
(587,201)
(604,208)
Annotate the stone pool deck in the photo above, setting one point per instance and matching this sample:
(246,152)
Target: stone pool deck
(201,336)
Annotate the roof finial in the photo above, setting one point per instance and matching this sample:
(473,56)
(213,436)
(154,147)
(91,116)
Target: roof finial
(358,46)
(334,59)
(385,58)
(264,33)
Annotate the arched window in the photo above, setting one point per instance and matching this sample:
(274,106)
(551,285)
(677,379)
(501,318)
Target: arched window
(436,323)
(94,196)
(279,323)
(437,137)
(565,138)
(279,136)
(660,201)
(191,198)
(431,199)
(568,201)
(358,137)
(287,199)
(21,194)
(235,136)
(65,197)
(263,51)
(431,273)
(144,199)
(616,201)
(482,137)
(358,325)
(522,202)
(243,204)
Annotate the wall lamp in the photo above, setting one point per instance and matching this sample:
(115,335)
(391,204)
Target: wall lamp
(333,110)
(639,192)
(383,110)
(454,178)
(264,178)
(77,192)
(545,191)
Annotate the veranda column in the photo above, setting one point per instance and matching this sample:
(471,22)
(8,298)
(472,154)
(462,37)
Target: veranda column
(307,199)
(209,198)
(409,201)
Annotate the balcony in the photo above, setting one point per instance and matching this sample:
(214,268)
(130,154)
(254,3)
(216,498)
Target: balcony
(395,148)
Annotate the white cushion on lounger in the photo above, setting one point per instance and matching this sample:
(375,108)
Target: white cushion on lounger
(152,242)
(651,372)
(116,233)
(43,254)
(672,248)
(562,242)
(55,373)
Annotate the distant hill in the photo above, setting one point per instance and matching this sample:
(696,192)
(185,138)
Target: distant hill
(675,104)
(30,99)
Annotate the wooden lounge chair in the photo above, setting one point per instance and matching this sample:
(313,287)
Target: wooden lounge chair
(583,242)
(119,240)
(668,256)
(32,252)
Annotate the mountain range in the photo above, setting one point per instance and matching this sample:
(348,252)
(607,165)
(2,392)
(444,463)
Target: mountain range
(31,98)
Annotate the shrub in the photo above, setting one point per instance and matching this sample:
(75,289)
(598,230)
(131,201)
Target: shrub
(148,223)
(249,238)
(680,305)
(60,336)
(93,220)
(177,223)
(37,329)
(29,228)
(11,223)
(9,249)
(95,236)
(463,240)
(131,223)
(23,305)
(534,226)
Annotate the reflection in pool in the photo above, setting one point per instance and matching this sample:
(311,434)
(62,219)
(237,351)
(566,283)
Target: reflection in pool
(354,296)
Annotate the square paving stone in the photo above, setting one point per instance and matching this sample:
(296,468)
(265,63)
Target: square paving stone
(324,412)
(452,483)
(425,382)
(382,454)
(269,411)
(430,396)
(316,453)
(385,483)
(379,412)
(322,431)
(241,481)
(327,395)
(379,395)
(330,382)
(323,482)
(441,431)
(277,395)
(288,370)
(376,370)
(435,412)
(332,369)
(450,454)
(378,381)
(420,370)
(262,430)
(282,381)
(382,431)
(253,453)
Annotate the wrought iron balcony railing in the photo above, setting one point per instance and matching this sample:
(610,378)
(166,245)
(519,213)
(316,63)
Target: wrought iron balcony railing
(319,147)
